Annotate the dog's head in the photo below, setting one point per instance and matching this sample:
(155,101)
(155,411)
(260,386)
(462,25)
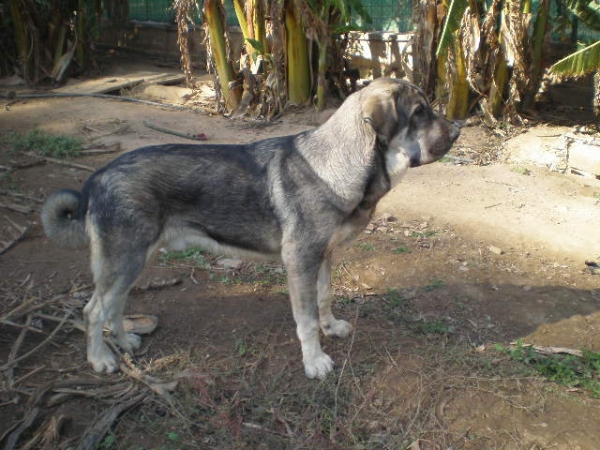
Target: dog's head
(407,129)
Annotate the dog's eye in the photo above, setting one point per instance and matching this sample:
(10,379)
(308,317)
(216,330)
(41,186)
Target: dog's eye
(419,112)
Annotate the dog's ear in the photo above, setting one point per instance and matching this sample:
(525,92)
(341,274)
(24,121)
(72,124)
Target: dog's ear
(380,110)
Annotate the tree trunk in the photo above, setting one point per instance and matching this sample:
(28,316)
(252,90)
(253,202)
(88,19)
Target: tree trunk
(215,22)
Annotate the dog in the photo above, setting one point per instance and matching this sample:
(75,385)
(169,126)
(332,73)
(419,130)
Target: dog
(295,198)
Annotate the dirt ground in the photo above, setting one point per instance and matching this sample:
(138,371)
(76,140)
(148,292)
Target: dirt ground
(463,254)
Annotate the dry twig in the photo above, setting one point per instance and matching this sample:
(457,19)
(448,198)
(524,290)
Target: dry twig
(6,245)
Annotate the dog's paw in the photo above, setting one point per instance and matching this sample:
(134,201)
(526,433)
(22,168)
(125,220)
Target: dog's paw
(318,367)
(103,360)
(337,328)
(130,342)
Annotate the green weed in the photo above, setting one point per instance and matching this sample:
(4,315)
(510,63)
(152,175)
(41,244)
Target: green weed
(109,442)
(400,250)
(567,370)
(520,170)
(365,246)
(45,144)
(423,234)
(196,255)
(436,326)
(395,297)
(433,285)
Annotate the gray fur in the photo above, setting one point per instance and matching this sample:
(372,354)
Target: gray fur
(296,198)
(61,220)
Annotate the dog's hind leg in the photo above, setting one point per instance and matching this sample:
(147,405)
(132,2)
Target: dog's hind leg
(302,281)
(329,324)
(113,281)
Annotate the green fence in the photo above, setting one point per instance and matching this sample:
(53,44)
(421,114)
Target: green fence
(386,15)
(389,15)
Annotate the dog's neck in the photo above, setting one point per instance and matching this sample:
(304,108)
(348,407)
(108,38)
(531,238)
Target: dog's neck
(344,161)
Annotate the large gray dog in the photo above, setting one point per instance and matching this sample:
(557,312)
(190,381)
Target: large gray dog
(297,198)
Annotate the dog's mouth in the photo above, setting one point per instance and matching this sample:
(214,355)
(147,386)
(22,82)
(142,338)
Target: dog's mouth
(415,160)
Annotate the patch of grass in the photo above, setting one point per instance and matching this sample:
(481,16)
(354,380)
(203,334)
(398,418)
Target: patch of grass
(597,195)
(395,297)
(195,255)
(400,250)
(520,170)
(436,326)
(567,370)
(365,246)
(110,441)
(45,144)
(433,285)
(423,234)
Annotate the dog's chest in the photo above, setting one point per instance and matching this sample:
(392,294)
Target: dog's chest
(350,228)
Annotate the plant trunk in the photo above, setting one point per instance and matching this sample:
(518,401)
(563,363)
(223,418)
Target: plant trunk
(81,37)
(540,29)
(296,52)
(321,72)
(458,102)
(499,83)
(215,23)
(21,38)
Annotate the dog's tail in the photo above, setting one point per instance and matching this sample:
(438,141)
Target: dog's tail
(63,218)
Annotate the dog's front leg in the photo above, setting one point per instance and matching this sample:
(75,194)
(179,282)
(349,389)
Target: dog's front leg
(329,324)
(302,282)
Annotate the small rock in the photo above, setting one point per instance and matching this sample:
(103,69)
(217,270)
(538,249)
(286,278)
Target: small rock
(495,250)
(229,263)
(387,217)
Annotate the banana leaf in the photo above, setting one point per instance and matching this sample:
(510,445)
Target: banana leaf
(578,64)
(453,20)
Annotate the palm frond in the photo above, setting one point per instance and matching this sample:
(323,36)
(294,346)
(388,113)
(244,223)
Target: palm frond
(453,20)
(588,11)
(578,64)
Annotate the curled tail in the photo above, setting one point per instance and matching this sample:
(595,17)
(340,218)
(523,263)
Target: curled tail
(63,218)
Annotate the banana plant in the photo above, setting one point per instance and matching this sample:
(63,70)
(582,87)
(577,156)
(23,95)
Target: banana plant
(327,19)
(214,18)
(586,60)
(501,47)
(297,62)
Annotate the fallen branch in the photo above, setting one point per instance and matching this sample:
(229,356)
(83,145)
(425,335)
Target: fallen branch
(19,195)
(194,137)
(104,96)
(16,208)
(11,364)
(6,245)
(13,438)
(101,151)
(94,434)
(48,434)
(551,350)
(28,306)
(102,134)
(61,162)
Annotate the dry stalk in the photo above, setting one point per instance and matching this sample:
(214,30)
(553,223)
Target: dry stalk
(10,364)
(6,245)
(61,162)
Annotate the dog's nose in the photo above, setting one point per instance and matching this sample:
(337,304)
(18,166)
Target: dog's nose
(455,132)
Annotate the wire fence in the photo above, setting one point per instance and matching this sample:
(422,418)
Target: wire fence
(386,15)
